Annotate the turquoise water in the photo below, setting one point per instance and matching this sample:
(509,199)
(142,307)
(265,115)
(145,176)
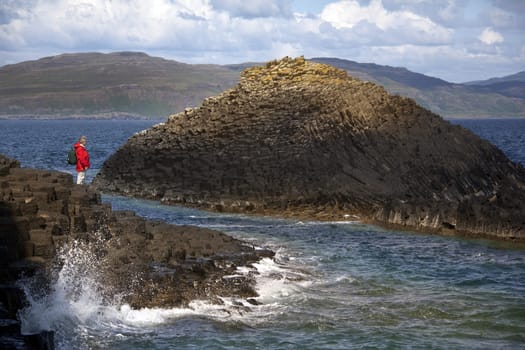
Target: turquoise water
(332,285)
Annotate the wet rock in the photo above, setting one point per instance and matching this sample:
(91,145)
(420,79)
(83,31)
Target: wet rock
(297,138)
(144,263)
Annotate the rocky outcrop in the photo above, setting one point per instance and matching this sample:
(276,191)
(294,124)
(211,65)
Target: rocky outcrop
(305,139)
(145,263)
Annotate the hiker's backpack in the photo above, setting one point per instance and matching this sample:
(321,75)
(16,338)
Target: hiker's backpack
(72,157)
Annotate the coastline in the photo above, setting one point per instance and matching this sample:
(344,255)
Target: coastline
(99,116)
(131,116)
(331,214)
(43,212)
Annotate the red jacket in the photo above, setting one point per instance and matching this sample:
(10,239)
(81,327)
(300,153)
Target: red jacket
(82,157)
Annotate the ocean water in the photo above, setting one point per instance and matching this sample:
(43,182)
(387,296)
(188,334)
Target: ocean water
(332,285)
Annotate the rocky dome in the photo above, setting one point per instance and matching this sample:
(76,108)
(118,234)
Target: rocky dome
(302,138)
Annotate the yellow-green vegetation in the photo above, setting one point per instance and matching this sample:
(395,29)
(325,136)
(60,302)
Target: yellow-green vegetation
(119,83)
(132,84)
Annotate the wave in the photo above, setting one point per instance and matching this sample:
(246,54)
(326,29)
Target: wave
(324,223)
(77,304)
(74,295)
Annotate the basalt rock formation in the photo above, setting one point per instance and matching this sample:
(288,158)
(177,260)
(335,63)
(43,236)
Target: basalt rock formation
(144,263)
(305,139)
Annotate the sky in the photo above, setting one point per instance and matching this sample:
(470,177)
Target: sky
(455,40)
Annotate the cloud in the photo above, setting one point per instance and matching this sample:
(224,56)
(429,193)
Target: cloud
(404,25)
(489,37)
(121,24)
(254,8)
(407,33)
(501,15)
(114,25)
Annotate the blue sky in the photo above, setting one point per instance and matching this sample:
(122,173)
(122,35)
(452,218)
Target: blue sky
(456,40)
(310,6)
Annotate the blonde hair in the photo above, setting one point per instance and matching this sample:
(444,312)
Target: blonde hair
(82,138)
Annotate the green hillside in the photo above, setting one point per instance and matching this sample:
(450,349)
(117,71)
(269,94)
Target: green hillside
(123,83)
(133,84)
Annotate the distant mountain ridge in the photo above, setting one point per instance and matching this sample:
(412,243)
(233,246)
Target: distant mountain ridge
(134,84)
(365,71)
(510,85)
(518,77)
(497,97)
(120,83)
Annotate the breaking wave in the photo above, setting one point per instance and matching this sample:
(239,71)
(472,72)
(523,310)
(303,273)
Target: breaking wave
(80,311)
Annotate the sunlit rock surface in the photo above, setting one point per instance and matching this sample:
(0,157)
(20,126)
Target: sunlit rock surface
(47,222)
(305,139)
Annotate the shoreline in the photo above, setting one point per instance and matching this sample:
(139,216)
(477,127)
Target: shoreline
(126,116)
(331,214)
(102,116)
(43,211)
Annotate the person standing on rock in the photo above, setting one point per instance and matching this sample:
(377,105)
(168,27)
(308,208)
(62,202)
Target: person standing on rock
(82,159)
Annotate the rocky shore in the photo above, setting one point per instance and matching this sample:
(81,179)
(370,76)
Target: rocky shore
(144,263)
(298,138)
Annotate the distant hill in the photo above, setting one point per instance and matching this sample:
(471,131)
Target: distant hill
(127,84)
(121,83)
(518,77)
(503,97)
(385,75)
(510,85)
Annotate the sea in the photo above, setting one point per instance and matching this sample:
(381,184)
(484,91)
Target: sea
(331,285)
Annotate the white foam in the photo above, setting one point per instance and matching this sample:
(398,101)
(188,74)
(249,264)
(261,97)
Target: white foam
(277,282)
(76,299)
(345,278)
(74,295)
(323,223)
(232,309)
(149,316)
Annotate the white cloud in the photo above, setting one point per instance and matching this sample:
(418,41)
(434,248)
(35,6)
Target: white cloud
(406,25)
(422,35)
(489,36)
(345,14)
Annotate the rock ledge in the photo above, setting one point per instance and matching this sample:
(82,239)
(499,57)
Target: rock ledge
(144,263)
(304,139)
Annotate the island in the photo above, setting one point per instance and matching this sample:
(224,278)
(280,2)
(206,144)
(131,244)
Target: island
(297,138)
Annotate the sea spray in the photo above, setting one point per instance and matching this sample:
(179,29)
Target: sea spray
(73,293)
(75,302)
(348,264)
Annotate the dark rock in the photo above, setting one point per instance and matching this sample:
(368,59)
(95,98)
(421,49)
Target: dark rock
(41,341)
(6,164)
(253,301)
(305,139)
(147,264)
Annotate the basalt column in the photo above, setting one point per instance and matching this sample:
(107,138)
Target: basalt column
(301,138)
